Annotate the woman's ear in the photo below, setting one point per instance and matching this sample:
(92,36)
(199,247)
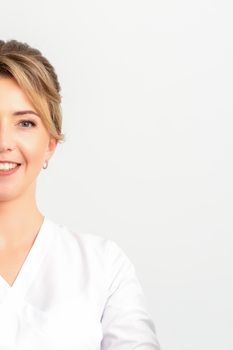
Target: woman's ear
(51,147)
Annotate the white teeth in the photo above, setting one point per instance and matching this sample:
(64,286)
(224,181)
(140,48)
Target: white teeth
(7,166)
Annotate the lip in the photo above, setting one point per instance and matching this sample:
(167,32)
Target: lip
(9,172)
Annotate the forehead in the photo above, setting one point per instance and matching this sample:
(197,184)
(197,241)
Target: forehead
(12,97)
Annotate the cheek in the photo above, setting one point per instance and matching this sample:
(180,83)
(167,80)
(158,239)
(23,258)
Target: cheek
(34,150)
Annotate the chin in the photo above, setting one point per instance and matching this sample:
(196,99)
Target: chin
(6,197)
(9,195)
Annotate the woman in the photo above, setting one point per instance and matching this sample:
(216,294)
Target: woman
(58,289)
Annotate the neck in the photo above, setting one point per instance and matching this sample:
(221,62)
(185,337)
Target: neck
(20,221)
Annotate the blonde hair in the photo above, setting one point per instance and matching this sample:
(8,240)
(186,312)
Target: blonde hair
(37,78)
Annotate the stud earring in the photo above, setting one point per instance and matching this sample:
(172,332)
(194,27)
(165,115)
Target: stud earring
(45,166)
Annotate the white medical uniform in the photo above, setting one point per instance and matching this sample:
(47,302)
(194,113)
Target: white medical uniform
(75,291)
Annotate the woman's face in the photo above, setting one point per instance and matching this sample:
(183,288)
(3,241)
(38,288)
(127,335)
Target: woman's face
(23,140)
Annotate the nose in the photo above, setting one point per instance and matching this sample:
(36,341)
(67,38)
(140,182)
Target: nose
(6,138)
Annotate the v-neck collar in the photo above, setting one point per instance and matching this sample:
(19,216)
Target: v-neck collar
(31,264)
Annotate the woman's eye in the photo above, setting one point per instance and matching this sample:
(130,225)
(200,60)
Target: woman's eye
(27,123)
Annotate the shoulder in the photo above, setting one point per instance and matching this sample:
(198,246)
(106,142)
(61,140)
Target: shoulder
(88,245)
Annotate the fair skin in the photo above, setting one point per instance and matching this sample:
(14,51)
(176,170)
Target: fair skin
(29,145)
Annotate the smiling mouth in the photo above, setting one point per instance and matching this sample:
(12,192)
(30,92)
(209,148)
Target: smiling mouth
(9,168)
(8,165)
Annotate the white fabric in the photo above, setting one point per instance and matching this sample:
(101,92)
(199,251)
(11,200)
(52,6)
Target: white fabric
(74,291)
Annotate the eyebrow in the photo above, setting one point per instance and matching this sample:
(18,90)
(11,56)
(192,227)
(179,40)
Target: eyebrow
(25,112)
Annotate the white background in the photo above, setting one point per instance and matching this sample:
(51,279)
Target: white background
(147,92)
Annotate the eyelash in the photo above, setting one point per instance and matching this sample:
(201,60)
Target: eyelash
(33,124)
